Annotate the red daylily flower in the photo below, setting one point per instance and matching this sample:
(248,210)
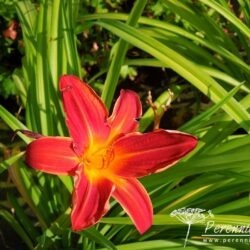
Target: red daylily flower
(106,154)
(11,31)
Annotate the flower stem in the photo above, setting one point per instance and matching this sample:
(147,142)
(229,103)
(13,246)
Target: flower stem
(188,231)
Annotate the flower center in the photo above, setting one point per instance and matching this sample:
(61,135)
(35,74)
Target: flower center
(96,161)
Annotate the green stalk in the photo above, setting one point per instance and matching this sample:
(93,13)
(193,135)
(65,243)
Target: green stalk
(119,56)
(55,40)
(42,89)
(70,49)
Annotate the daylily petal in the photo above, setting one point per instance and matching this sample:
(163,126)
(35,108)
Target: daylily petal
(135,201)
(90,201)
(85,112)
(53,155)
(126,110)
(141,154)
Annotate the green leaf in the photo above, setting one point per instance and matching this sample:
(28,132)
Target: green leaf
(26,222)
(13,123)
(10,161)
(228,15)
(193,73)
(17,227)
(197,121)
(118,56)
(96,236)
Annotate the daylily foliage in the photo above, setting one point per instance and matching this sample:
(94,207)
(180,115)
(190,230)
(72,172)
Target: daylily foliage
(106,154)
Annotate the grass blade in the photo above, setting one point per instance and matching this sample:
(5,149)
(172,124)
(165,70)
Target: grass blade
(193,73)
(119,56)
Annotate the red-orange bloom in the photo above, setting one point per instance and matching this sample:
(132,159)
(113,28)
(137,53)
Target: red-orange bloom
(106,154)
(11,31)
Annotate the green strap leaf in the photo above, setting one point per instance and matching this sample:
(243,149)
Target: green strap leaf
(10,161)
(119,56)
(13,123)
(186,68)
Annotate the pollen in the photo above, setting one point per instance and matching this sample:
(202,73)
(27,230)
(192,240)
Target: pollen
(96,161)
